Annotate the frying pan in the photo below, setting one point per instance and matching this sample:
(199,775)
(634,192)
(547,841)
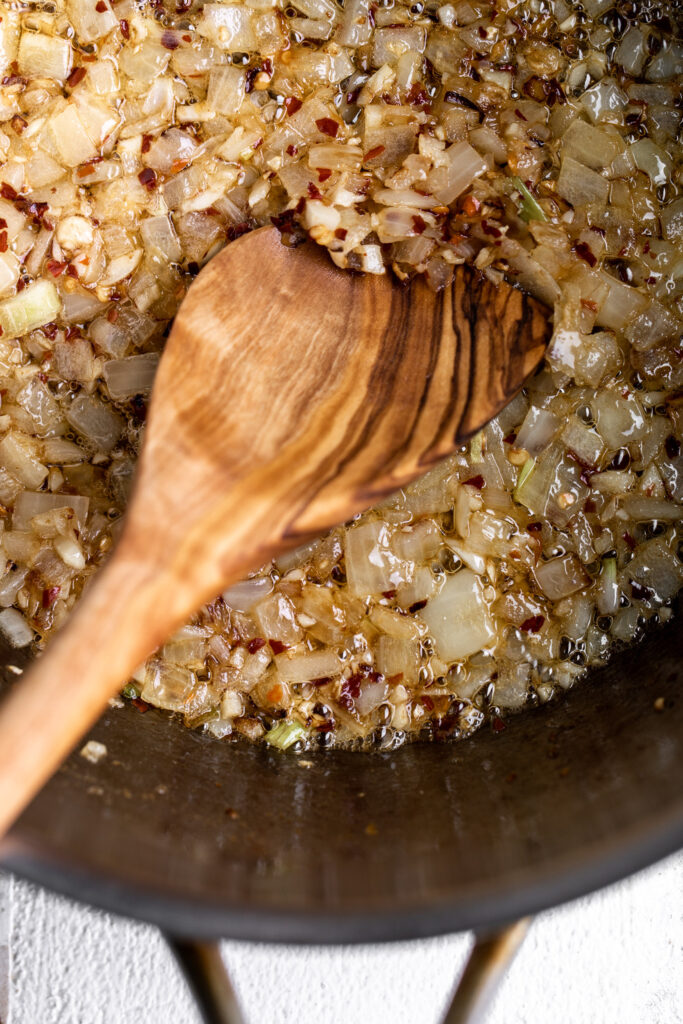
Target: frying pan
(208,838)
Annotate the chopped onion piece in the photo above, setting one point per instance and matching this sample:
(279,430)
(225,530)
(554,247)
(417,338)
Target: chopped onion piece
(458,617)
(244,595)
(133,375)
(561,577)
(33,503)
(36,305)
(299,668)
(15,628)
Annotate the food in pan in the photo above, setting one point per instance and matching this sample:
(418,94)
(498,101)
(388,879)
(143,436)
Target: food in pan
(538,141)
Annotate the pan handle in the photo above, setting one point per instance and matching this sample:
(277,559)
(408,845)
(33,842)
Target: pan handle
(487,965)
(208,980)
(492,954)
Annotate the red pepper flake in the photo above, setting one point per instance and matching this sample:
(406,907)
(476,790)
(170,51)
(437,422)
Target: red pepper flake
(3,241)
(389,594)
(324,174)
(482,33)
(50,596)
(125,28)
(419,224)
(256,644)
(497,724)
(340,233)
(18,123)
(140,705)
(417,606)
(520,115)
(373,153)
(589,304)
(21,284)
(187,39)
(55,267)
(292,104)
(277,647)
(351,686)
(327,126)
(7,192)
(321,681)
(630,541)
(169,40)
(76,76)
(177,166)
(313,191)
(475,481)
(100,7)
(535,527)
(301,205)
(50,331)
(3,222)
(146,143)
(84,170)
(533,624)
(292,150)
(427,703)
(511,438)
(419,97)
(148,178)
(651,280)
(112,315)
(71,271)
(490,229)
(584,250)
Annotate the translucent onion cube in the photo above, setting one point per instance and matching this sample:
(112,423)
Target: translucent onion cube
(458,617)
(37,305)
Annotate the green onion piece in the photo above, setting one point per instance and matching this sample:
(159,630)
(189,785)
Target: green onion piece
(284,734)
(476,447)
(528,208)
(524,474)
(609,569)
(130,691)
(37,305)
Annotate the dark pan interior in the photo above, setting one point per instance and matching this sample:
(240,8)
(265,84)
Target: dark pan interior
(209,838)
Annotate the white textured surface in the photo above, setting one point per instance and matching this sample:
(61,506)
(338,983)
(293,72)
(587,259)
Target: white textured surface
(614,957)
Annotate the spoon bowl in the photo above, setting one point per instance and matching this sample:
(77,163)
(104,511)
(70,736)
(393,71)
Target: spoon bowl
(290,396)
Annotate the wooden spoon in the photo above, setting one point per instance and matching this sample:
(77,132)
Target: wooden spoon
(289,397)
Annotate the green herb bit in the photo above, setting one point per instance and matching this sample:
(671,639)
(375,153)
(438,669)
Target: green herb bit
(524,474)
(285,734)
(477,447)
(130,691)
(529,209)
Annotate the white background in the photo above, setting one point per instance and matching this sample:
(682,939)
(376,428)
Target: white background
(613,958)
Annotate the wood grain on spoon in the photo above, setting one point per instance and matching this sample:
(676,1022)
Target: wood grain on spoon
(290,396)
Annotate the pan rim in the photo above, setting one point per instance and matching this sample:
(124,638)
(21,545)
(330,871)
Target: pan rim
(606,863)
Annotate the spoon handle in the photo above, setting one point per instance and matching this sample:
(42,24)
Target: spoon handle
(64,692)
